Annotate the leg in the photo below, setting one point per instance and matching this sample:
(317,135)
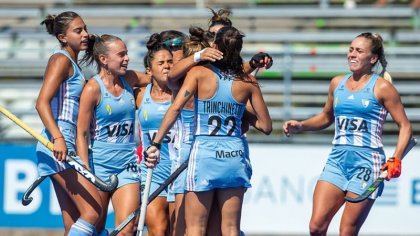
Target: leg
(84,198)
(327,200)
(105,197)
(126,200)
(68,208)
(157,217)
(215,220)
(230,205)
(197,209)
(354,215)
(179,228)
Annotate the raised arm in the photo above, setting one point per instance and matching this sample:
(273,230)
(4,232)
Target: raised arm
(180,69)
(137,78)
(188,89)
(262,120)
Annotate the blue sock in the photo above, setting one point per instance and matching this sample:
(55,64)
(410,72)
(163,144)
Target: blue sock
(81,228)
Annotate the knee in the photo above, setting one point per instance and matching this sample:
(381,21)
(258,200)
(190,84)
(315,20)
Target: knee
(316,229)
(91,216)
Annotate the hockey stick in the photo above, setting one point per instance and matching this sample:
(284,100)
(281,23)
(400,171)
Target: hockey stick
(70,157)
(26,200)
(372,188)
(144,201)
(152,196)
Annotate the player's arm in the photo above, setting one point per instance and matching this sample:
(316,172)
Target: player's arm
(56,72)
(188,89)
(319,121)
(137,78)
(88,101)
(262,120)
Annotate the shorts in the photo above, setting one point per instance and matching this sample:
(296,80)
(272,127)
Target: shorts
(153,187)
(354,169)
(229,161)
(119,159)
(47,164)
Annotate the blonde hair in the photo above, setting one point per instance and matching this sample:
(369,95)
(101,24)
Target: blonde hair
(387,76)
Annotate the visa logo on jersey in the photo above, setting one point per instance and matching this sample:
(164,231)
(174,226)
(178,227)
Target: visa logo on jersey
(120,129)
(169,137)
(352,124)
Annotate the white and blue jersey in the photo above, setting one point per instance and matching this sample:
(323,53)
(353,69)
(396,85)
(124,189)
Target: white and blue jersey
(150,115)
(218,141)
(112,135)
(65,109)
(359,117)
(357,156)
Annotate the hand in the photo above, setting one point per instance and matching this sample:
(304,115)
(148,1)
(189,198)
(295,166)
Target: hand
(151,156)
(244,126)
(60,149)
(291,127)
(393,166)
(261,60)
(210,54)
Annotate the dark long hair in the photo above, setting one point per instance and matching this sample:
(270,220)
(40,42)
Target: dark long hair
(229,42)
(58,24)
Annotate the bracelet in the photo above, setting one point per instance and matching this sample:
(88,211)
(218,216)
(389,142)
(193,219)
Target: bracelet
(157,145)
(58,138)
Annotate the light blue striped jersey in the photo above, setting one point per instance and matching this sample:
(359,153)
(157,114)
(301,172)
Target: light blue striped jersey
(220,115)
(65,103)
(150,115)
(359,117)
(114,117)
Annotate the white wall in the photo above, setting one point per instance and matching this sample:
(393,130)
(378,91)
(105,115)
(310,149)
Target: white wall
(284,177)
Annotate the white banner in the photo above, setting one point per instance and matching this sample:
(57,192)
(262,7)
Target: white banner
(284,176)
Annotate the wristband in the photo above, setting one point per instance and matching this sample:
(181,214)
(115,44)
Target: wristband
(253,64)
(197,56)
(157,145)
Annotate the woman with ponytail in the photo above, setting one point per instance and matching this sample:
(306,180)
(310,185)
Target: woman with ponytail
(152,103)
(358,103)
(58,107)
(219,167)
(106,122)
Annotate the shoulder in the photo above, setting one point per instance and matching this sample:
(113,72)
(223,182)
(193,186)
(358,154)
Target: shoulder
(92,86)
(200,68)
(201,71)
(58,59)
(384,88)
(335,81)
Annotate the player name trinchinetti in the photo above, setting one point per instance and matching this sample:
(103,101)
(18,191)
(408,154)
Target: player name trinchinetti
(222,107)
(229,154)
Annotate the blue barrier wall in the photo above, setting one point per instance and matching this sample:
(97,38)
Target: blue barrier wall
(18,168)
